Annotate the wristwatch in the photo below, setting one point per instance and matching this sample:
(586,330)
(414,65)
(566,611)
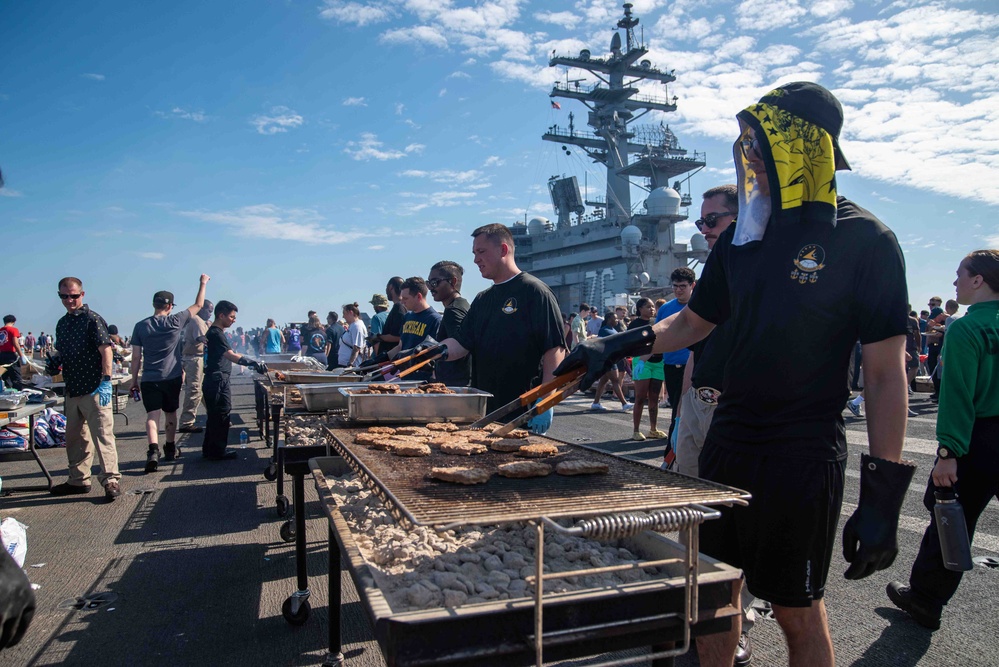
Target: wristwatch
(106,378)
(944,453)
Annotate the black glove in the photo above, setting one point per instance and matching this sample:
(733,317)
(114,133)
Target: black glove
(53,364)
(598,355)
(427,344)
(376,360)
(17,601)
(260,367)
(869,536)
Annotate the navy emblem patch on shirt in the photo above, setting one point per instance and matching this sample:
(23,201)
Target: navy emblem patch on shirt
(810,260)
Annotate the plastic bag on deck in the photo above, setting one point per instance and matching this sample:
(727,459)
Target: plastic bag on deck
(14,536)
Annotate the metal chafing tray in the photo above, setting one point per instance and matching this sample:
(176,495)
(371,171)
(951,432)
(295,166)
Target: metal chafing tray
(322,397)
(466,404)
(696,595)
(308,376)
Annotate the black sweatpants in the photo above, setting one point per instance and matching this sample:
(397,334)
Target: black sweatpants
(977,484)
(673,379)
(218,405)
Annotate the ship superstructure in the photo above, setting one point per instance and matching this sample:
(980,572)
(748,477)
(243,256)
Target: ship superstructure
(613,250)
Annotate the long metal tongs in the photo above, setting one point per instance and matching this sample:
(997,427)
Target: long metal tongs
(547,396)
(391,366)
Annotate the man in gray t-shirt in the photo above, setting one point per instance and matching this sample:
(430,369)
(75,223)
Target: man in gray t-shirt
(156,347)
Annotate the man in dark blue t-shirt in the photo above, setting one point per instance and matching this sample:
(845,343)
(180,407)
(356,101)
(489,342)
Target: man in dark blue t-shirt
(420,322)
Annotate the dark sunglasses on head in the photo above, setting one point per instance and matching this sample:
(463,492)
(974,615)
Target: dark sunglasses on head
(711,220)
(67,297)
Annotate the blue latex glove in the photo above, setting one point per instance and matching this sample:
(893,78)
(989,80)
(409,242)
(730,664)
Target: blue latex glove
(103,392)
(539,424)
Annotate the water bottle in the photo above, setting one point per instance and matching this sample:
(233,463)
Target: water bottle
(244,438)
(955,547)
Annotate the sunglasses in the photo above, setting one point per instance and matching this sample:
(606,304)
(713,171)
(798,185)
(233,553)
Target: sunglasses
(711,220)
(68,297)
(432,284)
(751,145)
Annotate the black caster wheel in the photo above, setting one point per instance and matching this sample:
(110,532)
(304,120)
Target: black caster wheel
(296,619)
(288,531)
(270,473)
(283,505)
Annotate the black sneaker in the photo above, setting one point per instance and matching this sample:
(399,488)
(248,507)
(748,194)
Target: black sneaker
(190,429)
(67,489)
(901,597)
(171,452)
(152,459)
(112,490)
(744,651)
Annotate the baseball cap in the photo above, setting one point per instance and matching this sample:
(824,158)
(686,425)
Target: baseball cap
(810,101)
(379,300)
(163,298)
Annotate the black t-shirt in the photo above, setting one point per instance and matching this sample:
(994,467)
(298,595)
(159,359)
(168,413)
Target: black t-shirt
(454,373)
(393,323)
(797,302)
(217,346)
(638,322)
(334,333)
(508,328)
(315,340)
(710,357)
(913,341)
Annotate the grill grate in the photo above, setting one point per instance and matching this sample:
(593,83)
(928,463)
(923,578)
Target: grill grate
(413,498)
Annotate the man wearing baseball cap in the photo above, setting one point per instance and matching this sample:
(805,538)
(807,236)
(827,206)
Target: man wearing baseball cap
(381,306)
(156,348)
(829,273)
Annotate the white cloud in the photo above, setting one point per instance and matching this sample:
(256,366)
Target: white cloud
(826,9)
(419,35)
(762,15)
(369,148)
(399,108)
(354,102)
(268,221)
(494,161)
(376,247)
(411,123)
(93,77)
(151,255)
(567,20)
(7,192)
(445,175)
(358,13)
(184,114)
(442,93)
(281,120)
(458,74)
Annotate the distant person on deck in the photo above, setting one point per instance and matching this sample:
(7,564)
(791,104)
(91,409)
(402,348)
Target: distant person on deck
(156,349)
(444,282)
(11,353)
(271,340)
(193,360)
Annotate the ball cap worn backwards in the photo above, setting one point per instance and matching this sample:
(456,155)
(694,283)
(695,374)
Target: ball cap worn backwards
(810,101)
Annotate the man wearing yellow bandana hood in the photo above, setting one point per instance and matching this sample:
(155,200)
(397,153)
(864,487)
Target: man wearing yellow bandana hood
(801,276)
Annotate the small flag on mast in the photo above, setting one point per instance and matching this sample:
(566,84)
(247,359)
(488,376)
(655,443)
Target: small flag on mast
(556,105)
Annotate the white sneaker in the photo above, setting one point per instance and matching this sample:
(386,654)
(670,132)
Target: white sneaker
(598,407)
(627,407)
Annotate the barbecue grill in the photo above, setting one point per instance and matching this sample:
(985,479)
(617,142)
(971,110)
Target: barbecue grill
(629,502)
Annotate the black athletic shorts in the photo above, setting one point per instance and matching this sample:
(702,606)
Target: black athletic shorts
(162,394)
(784,539)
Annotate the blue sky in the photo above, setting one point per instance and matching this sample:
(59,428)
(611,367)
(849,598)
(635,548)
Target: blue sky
(303,152)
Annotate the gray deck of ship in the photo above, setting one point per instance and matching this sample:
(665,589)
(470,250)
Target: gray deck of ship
(193,554)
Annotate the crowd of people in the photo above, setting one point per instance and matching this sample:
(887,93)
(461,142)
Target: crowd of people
(777,294)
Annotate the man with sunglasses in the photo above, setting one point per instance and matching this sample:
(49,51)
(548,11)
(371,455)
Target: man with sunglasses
(444,282)
(86,356)
(785,277)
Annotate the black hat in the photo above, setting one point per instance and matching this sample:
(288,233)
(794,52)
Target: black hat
(810,101)
(163,298)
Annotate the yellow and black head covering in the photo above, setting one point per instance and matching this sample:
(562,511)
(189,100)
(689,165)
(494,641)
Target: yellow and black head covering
(797,128)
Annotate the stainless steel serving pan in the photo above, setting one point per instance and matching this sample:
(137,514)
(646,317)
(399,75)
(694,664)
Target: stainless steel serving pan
(322,397)
(465,405)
